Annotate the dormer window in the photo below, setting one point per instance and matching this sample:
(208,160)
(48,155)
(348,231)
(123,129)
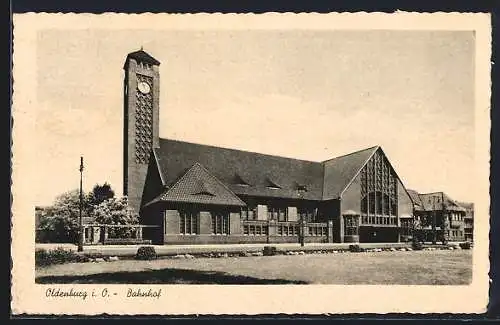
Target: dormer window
(240,181)
(301,189)
(202,188)
(204,193)
(272,185)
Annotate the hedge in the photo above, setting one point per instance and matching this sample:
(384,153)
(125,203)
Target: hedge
(57,256)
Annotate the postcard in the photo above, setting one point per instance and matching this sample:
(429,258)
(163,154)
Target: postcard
(250,164)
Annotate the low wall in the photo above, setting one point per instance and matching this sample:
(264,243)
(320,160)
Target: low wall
(169,250)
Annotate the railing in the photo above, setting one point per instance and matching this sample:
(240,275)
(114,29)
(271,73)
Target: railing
(287,228)
(255,227)
(126,241)
(317,229)
(282,228)
(99,233)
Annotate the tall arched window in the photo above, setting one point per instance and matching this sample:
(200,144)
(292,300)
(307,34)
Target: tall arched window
(378,189)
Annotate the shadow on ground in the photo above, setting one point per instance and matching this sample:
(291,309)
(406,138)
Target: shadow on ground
(163,276)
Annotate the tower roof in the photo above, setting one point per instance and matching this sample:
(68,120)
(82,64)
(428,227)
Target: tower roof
(141,56)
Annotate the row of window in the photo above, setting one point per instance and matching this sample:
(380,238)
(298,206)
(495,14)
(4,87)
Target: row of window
(255,230)
(378,203)
(188,223)
(382,220)
(317,231)
(406,223)
(283,230)
(457,217)
(455,233)
(287,231)
(279,213)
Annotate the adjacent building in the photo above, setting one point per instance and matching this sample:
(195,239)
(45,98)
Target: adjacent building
(195,193)
(438,218)
(469,220)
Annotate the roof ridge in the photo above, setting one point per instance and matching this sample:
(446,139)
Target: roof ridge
(240,150)
(352,153)
(361,167)
(437,192)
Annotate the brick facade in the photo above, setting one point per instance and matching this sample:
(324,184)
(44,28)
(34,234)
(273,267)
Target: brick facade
(287,197)
(135,171)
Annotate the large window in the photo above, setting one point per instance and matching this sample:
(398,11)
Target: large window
(276,212)
(220,223)
(406,227)
(350,225)
(249,212)
(307,213)
(188,222)
(378,187)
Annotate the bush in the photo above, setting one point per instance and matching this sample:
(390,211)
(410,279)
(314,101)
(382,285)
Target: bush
(145,253)
(466,245)
(93,255)
(355,249)
(56,256)
(417,246)
(269,251)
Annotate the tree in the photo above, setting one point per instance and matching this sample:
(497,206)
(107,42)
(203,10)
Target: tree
(60,222)
(101,193)
(115,211)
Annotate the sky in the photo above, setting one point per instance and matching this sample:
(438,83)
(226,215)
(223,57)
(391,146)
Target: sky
(304,94)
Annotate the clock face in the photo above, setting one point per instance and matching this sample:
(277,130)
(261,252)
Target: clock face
(144,87)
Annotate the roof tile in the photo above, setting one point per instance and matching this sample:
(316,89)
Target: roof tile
(197,185)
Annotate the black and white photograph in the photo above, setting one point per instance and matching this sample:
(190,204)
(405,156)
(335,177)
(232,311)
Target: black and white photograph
(293,152)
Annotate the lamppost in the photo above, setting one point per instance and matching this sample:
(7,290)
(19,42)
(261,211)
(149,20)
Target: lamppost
(80,238)
(302,229)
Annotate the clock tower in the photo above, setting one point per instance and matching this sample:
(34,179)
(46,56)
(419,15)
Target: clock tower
(141,94)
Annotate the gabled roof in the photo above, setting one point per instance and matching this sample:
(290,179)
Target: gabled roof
(340,171)
(466,205)
(434,201)
(417,201)
(142,57)
(254,174)
(197,185)
(255,169)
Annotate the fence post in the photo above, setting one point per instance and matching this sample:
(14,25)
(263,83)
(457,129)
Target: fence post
(330,231)
(268,230)
(83,230)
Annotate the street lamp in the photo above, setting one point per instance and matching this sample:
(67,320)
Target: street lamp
(80,238)
(300,192)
